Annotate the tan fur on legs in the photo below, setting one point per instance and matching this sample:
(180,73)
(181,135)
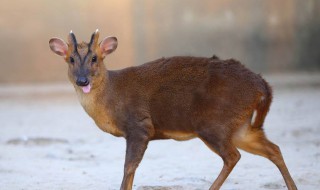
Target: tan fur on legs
(255,142)
(227,151)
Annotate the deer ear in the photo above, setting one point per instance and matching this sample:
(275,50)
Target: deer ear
(108,45)
(58,46)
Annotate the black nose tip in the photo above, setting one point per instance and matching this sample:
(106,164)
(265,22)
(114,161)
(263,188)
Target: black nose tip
(82,81)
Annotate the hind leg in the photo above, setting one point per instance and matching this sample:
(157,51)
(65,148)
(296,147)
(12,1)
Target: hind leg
(226,150)
(256,142)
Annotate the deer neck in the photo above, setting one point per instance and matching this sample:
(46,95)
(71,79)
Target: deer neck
(96,105)
(95,98)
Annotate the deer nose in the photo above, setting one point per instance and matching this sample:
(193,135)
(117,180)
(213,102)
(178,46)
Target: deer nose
(82,81)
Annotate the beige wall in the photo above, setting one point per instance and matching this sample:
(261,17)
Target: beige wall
(268,36)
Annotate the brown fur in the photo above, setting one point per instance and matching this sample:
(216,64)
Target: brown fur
(181,98)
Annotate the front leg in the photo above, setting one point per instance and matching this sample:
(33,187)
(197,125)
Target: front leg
(136,145)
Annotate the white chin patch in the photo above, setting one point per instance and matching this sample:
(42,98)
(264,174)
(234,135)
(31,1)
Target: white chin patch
(86,89)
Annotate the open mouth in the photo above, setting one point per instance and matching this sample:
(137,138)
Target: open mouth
(86,89)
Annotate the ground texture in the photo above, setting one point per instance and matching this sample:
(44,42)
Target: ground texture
(48,142)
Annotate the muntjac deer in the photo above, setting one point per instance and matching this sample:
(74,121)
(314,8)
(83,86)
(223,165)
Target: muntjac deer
(219,101)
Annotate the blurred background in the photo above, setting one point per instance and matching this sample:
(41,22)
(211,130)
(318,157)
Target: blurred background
(267,36)
(47,141)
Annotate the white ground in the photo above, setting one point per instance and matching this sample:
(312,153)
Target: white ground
(48,142)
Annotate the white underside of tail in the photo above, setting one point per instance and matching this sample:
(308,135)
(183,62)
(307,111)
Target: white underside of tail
(254,114)
(254,117)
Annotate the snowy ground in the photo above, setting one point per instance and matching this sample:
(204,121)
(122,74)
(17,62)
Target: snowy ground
(48,142)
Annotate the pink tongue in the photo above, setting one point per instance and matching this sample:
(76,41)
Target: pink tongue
(86,89)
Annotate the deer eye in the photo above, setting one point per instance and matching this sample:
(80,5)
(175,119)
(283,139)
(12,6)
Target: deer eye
(71,60)
(94,59)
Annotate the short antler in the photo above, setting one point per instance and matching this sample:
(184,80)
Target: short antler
(72,40)
(94,39)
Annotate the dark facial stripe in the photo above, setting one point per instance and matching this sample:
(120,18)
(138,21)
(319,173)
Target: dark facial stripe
(85,57)
(75,44)
(83,69)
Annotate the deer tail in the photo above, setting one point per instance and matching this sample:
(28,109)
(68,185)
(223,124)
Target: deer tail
(262,107)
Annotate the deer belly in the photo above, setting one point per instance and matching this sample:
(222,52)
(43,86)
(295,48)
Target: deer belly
(176,135)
